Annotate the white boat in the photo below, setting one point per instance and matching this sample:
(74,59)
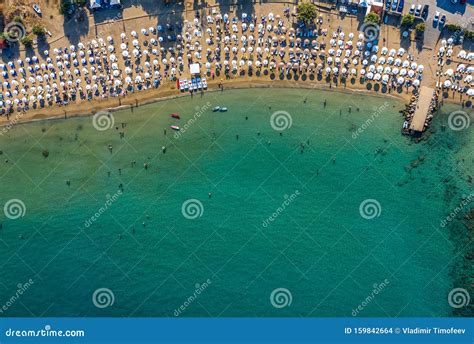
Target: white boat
(37,9)
(223,109)
(217,108)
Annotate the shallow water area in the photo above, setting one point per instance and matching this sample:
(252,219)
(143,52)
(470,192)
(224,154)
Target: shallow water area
(311,195)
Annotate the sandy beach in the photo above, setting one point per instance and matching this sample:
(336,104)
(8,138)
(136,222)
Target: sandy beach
(110,22)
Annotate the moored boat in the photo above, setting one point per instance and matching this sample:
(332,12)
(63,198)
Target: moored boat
(175,115)
(217,108)
(223,109)
(174,127)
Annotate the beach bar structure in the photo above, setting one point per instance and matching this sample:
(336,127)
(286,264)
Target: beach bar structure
(422,110)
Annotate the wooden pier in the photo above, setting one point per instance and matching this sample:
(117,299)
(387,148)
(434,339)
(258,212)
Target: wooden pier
(422,110)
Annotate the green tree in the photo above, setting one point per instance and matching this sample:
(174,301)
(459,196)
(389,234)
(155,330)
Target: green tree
(372,18)
(64,7)
(420,28)
(38,30)
(307,12)
(452,27)
(469,35)
(408,20)
(18,19)
(27,41)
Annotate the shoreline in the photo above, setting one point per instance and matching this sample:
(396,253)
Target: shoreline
(168,92)
(153,96)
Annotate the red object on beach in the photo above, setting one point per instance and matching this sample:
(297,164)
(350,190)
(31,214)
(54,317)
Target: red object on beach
(177,83)
(175,115)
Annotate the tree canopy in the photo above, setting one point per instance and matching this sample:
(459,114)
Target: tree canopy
(420,28)
(307,12)
(408,19)
(372,18)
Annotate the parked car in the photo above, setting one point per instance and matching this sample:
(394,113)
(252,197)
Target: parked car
(436,18)
(37,9)
(424,13)
(412,9)
(394,5)
(418,11)
(401,4)
(442,21)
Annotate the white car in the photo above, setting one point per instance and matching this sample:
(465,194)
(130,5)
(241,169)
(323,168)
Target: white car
(412,9)
(37,9)
(418,11)
(436,17)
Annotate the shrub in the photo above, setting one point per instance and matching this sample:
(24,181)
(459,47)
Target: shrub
(18,19)
(39,30)
(372,18)
(420,28)
(307,12)
(452,27)
(27,41)
(408,19)
(64,7)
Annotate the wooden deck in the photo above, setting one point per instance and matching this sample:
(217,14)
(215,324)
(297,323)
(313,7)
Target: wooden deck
(422,107)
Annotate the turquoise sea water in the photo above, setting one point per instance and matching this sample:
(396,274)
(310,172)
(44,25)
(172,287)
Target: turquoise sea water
(284,210)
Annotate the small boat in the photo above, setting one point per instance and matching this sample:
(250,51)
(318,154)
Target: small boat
(175,127)
(217,108)
(37,9)
(175,115)
(223,109)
